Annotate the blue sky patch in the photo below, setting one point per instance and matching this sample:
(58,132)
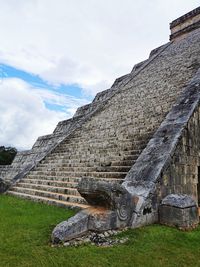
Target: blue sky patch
(69,91)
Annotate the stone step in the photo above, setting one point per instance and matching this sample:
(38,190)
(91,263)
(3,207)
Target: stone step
(78,174)
(125,131)
(67,151)
(82,153)
(86,139)
(85,157)
(74,140)
(47,194)
(50,182)
(71,179)
(123,122)
(77,160)
(126,145)
(88,164)
(123,163)
(84,169)
(49,201)
(134,147)
(55,189)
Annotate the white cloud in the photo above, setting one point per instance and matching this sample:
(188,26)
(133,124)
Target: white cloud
(23,115)
(88,42)
(84,42)
(62,100)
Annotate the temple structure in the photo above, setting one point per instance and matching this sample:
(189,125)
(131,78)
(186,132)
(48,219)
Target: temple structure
(132,156)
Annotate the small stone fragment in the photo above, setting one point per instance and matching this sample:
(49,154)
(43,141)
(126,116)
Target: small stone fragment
(106,234)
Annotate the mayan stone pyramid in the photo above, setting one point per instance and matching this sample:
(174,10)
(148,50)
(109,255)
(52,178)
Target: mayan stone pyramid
(132,155)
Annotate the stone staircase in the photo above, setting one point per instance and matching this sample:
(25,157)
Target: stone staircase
(55,179)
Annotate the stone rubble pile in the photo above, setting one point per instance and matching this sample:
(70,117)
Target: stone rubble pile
(104,239)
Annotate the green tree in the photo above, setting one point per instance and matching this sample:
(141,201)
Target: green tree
(7,155)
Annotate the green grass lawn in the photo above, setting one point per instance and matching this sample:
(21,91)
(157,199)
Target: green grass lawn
(25,229)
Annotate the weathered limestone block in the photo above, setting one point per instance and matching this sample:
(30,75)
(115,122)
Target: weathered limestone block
(180,211)
(72,228)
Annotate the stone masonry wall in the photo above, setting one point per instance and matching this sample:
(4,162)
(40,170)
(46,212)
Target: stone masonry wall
(4,169)
(182,175)
(188,22)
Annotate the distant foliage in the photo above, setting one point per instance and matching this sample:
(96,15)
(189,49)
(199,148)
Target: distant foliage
(7,155)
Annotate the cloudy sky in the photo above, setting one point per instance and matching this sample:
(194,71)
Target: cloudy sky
(55,55)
